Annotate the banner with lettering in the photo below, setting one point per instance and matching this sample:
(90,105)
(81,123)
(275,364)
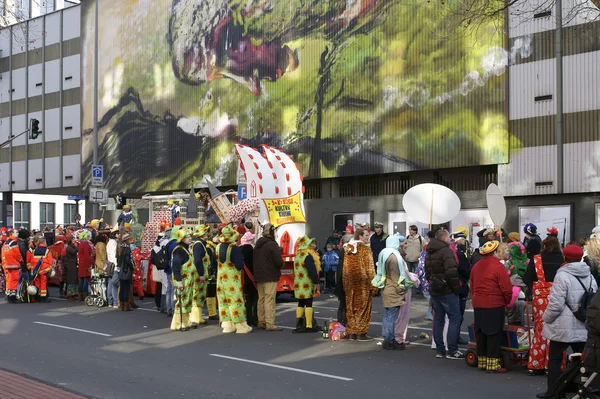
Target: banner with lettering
(285,210)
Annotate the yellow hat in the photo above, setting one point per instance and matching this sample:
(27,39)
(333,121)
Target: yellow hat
(182,233)
(126,206)
(228,234)
(201,230)
(489,247)
(170,202)
(304,242)
(461,231)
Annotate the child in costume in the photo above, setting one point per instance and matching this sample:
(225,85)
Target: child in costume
(184,275)
(230,261)
(203,261)
(138,288)
(126,217)
(306,280)
(516,267)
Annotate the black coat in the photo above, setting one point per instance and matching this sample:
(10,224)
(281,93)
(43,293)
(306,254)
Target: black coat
(592,324)
(551,262)
(440,264)
(69,261)
(125,263)
(267,260)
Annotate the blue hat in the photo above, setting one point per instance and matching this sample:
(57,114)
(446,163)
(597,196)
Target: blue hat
(394,241)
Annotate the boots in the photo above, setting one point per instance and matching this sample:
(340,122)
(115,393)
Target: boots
(242,328)
(45,299)
(309,321)
(122,306)
(228,327)
(181,322)
(127,307)
(196,316)
(300,326)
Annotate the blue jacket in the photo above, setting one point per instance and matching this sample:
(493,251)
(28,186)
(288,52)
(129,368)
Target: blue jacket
(331,260)
(170,247)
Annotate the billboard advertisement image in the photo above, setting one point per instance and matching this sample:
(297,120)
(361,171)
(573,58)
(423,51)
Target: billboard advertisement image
(345,87)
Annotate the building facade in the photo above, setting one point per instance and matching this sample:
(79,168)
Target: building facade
(368,109)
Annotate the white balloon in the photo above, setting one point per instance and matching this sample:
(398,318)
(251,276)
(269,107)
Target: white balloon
(431,203)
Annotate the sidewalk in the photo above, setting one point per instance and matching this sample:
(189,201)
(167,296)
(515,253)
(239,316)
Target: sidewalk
(13,386)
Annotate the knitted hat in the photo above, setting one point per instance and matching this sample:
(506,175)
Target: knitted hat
(489,247)
(23,234)
(514,236)
(573,253)
(394,241)
(229,234)
(201,230)
(182,233)
(248,238)
(350,228)
(530,229)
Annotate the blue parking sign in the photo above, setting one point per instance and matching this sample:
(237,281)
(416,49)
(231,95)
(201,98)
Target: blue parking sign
(97,175)
(242,193)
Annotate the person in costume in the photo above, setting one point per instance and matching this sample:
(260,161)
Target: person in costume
(85,262)
(40,263)
(392,279)
(516,267)
(230,261)
(306,282)
(359,271)
(126,217)
(125,265)
(491,293)
(203,262)
(211,287)
(69,276)
(184,278)
(175,210)
(545,266)
(11,262)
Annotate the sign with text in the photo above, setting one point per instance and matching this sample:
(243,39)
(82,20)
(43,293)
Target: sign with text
(285,210)
(97,175)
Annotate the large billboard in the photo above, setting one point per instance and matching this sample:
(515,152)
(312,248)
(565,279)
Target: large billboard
(347,87)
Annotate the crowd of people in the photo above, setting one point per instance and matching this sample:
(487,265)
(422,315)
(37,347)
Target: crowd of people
(234,274)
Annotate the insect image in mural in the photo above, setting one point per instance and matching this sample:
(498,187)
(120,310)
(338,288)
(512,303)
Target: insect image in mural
(347,87)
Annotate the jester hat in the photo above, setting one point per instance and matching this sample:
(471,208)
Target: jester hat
(304,242)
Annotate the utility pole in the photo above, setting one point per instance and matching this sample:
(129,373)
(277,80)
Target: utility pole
(559,100)
(95,210)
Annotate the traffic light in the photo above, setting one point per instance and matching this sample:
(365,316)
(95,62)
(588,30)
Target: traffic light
(34,129)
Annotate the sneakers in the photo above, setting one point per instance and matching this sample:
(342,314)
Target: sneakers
(458,355)
(393,346)
(440,356)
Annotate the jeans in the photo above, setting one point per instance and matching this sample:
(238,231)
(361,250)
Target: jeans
(389,323)
(463,306)
(84,285)
(412,266)
(113,289)
(442,306)
(170,293)
(429,308)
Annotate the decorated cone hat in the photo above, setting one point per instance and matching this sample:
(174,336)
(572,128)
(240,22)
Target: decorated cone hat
(489,247)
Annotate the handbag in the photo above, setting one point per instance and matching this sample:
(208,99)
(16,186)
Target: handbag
(109,269)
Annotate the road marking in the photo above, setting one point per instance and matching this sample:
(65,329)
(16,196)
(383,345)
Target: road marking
(147,310)
(72,328)
(277,366)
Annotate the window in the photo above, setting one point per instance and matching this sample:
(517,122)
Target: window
(70,211)
(46,215)
(22,214)
(46,6)
(22,9)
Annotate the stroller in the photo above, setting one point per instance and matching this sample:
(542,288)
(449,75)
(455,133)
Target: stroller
(98,290)
(577,379)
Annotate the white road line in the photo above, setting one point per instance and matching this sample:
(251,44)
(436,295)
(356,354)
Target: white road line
(147,310)
(72,328)
(237,359)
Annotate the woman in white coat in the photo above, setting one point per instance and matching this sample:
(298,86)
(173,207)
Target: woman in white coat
(561,327)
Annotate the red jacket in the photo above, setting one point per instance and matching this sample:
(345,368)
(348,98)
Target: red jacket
(84,259)
(490,284)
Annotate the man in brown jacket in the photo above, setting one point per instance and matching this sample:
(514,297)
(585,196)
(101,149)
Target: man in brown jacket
(267,271)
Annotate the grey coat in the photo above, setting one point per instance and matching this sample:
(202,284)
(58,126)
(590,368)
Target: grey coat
(560,323)
(391,296)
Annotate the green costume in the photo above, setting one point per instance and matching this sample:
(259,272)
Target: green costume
(304,287)
(306,278)
(184,270)
(202,263)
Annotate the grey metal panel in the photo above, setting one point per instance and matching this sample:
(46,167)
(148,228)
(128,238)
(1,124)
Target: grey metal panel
(53,149)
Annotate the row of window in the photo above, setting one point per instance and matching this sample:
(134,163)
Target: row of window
(20,8)
(22,214)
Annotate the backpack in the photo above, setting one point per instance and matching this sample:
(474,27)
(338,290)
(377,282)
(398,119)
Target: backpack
(160,259)
(586,299)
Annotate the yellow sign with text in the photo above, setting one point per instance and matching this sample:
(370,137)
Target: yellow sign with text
(285,210)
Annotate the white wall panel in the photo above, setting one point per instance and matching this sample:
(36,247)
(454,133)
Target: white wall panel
(71,68)
(19,125)
(4,87)
(52,128)
(4,43)
(4,128)
(52,28)
(35,78)
(72,119)
(18,176)
(72,26)
(582,167)
(581,82)
(4,186)
(72,167)
(52,76)
(36,33)
(52,172)
(18,83)
(528,81)
(528,166)
(35,173)
(18,43)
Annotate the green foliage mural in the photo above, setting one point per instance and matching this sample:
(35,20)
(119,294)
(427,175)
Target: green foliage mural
(345,87)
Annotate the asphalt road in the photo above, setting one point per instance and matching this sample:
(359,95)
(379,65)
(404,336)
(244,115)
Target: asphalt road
(106,353)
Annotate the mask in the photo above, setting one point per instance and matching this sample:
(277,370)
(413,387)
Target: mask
(132,246)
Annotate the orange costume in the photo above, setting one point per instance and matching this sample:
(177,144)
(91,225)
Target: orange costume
(358,272)
(11,262)
(40,274)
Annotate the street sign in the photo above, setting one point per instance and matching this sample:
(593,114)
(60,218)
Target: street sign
(242,193)
(76,197)
(98,196)
(97,175)
(77,217)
